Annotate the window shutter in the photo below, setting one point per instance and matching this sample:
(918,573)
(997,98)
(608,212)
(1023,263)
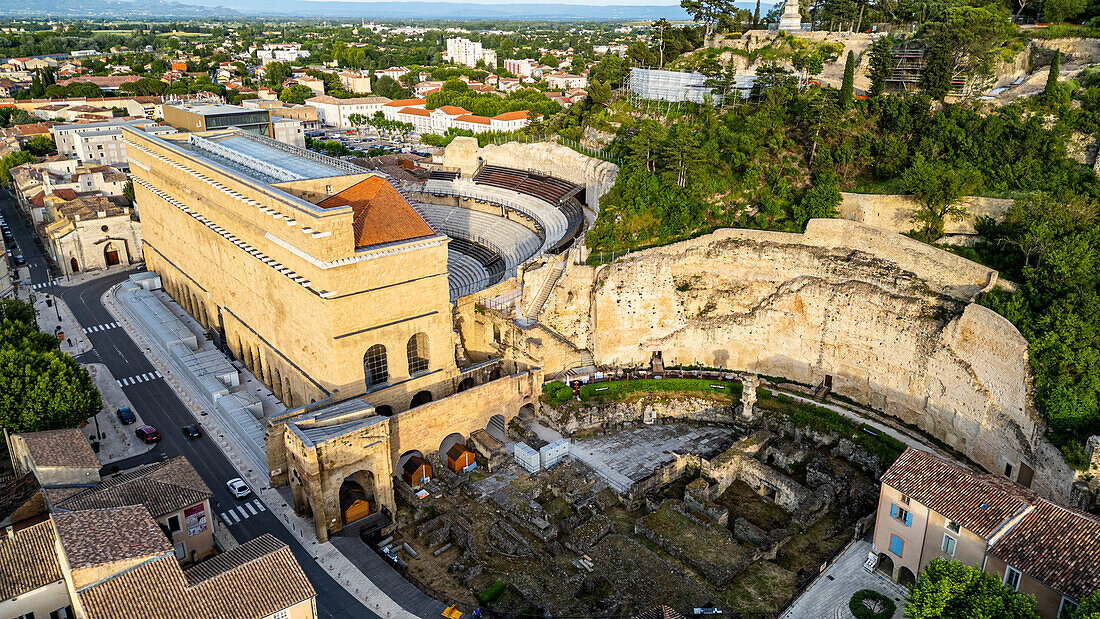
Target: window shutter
(909,519)
(893,510)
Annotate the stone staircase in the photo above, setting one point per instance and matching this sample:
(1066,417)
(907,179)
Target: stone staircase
(537,305)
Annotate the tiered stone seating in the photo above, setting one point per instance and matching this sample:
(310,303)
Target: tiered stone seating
(491,260)
(465,274)
(513,242)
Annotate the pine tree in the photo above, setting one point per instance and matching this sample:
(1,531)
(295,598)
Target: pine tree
(935,80)
(878,68)
(1052,77)
(756,15)
(849,80)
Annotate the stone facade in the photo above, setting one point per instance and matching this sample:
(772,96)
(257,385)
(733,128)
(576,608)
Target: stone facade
(90,234)
(317,451)
(894,212)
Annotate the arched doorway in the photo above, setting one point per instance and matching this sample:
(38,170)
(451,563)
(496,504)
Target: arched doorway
(357,497)
(527,412)
(467,383)
(885,565)
(384,409)
(110,254)
(906,576)
(73,265)
(495,428)
(408,455)
(450,441)
(422,397)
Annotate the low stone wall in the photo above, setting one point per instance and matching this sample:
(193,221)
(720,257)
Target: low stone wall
(647,410)
(895,212)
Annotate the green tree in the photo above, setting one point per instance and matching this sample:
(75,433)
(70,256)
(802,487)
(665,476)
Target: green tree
(128,191)
(41,145)
(950,589)
(1057,11)
(847,87)
(550,60)
(708,12)
(390,88)
(935,81)
(11,160)
(296,94)
(878,67)
(756,15)
(1051,90)
(599,92)
(937,188)
(1089,608)
(276,73)
(970,36)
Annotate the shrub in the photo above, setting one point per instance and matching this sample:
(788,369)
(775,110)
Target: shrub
(493,592)
(868,604)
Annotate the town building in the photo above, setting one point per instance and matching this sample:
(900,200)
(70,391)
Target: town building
(281,52)
(393,72)
(92,233)
(305,114)
(100,142)
(930,509)
(172,492)
(335,112)
(469,53)
(55,457)
(206,117)
(565,81)
(520,67)
(392,108)
(354,81)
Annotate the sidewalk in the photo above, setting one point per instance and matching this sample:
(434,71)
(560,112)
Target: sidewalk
(327,556)
(57,317)
(828,596)
(118,441)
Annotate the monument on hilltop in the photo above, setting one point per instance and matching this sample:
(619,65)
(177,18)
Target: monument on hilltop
(791,21)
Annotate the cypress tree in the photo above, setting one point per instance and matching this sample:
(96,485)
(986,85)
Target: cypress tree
(756,15)
(849,80)
(1052,77)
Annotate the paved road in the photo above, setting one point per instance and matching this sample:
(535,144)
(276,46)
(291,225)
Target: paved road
(158,405)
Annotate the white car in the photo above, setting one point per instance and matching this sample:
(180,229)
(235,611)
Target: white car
(238,487)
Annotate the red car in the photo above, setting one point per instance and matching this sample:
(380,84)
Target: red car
(148,434)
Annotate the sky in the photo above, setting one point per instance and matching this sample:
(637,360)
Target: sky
(230,3)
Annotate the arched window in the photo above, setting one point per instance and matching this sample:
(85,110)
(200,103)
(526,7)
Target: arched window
(417,353)
(375,365)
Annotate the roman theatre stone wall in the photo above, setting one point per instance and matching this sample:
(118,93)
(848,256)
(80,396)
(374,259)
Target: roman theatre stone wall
(890,320)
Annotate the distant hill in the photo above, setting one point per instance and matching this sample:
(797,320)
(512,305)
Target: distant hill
(111,8)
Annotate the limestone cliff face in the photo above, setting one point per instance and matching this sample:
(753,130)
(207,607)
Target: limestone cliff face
(889,319)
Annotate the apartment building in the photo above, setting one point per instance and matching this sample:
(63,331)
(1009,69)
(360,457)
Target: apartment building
(354,81)
(520,67)
(469,53)
(335,112)
(930,508)
(100,142)
(565,81)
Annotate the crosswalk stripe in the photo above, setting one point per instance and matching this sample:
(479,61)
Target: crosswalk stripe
(234,514)
(119,382)
(157,374)
(146,376)
(260,505)
(250,508)
(243,513)
(225,519)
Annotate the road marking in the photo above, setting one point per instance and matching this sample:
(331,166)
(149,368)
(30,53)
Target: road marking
(42,285)
(234,514)
(140,378)
(102,327)
(260,505)
(250,508)
(225,519)
(244,514)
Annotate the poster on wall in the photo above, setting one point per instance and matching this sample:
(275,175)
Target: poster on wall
(196,519)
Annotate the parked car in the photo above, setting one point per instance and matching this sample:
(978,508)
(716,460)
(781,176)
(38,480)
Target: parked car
(126,416)
(148,434)
(238,487)
(192,432)
(20,260)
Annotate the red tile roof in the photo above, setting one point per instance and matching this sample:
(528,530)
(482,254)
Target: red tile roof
(953,492)
(519,115)
(414,111)
(452,110)
(381,215)
(28,560)
(405,102)
(1057,546)
(471,118)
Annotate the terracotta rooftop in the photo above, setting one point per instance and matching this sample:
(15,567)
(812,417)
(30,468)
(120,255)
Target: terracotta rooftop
(163,488)
(254,580)
(1057,546)
(405,102)
(471,118)
(381,214)
(415,111)
(28,560)
(66,447)
(519,115)
(101,536)
(16,493)
(452,110)
(953,492)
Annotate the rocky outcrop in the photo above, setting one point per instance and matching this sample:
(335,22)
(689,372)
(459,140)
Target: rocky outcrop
(890,321)
(895,212)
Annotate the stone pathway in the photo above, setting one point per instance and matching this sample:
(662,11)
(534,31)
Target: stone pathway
(828,596)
